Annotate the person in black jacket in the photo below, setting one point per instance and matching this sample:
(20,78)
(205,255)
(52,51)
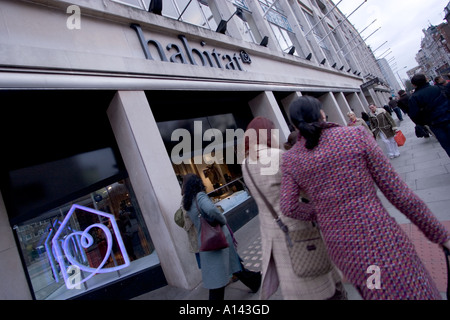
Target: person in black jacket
(443,84)
(393,104)
(429,106)
(403,103)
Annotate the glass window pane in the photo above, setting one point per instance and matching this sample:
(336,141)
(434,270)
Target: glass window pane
(86,248)
(169,9)
(212,24)
(245,31)
(192,13)
(146,4)
(279,37)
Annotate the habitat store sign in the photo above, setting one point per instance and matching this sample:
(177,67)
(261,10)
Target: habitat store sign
(185,54)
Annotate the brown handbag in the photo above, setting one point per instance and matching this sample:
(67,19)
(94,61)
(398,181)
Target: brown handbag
(308,253)
(212,237)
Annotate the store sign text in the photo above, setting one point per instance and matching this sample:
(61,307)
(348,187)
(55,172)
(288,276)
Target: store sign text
(185,54)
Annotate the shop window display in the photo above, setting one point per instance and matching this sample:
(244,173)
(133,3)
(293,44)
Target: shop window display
(224,183)
(115,239)
(207,142)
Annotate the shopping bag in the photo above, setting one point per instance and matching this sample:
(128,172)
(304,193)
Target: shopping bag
(400,138)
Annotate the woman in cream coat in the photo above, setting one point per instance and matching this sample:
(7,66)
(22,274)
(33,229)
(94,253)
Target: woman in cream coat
(264,166)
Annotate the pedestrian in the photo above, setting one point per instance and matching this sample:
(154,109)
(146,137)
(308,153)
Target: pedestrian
(443,84)
(429,106)
(341,169)
(403,103)
(263,156)
(354,121)
(403,100)
(385,127)
(393,104)
(186,223)
(388,109)
(216,266)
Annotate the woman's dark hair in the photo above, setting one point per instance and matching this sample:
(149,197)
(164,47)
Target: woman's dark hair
(306,117)
(192,184)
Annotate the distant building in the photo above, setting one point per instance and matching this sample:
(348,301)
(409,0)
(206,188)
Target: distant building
(389,76)
(434,55)
(414,71)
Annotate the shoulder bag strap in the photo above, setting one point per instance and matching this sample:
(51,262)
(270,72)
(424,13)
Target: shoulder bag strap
(201,215)
(276,217)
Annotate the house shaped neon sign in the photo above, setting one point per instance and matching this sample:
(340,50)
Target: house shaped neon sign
(63,251)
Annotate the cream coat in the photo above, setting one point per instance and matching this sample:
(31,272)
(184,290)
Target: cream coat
(276,266)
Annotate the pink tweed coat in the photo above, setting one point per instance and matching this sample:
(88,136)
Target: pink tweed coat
(340,176)
(276,264)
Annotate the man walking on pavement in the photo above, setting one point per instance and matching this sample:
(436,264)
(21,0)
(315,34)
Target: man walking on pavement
(403,104)
(403,101)
(429,106)
(394,106)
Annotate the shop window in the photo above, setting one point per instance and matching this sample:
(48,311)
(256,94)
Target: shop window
(115,243)
(219,169)
(224,183)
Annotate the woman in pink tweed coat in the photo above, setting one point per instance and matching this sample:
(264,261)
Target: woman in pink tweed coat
(339,168)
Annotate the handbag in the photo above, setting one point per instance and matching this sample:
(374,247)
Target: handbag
(212,237)
(400,138)
(307,251)
(179,217)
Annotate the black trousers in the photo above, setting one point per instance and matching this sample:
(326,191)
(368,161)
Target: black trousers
(217,294)
(251,279)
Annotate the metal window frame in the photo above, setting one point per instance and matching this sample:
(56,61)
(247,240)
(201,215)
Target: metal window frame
(141,2)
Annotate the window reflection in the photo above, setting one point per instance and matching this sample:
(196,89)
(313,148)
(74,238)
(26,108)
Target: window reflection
(191,11)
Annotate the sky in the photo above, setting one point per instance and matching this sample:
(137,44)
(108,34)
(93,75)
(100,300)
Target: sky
(400,22)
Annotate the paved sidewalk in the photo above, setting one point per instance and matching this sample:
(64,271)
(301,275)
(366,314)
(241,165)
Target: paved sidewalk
(423,165)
